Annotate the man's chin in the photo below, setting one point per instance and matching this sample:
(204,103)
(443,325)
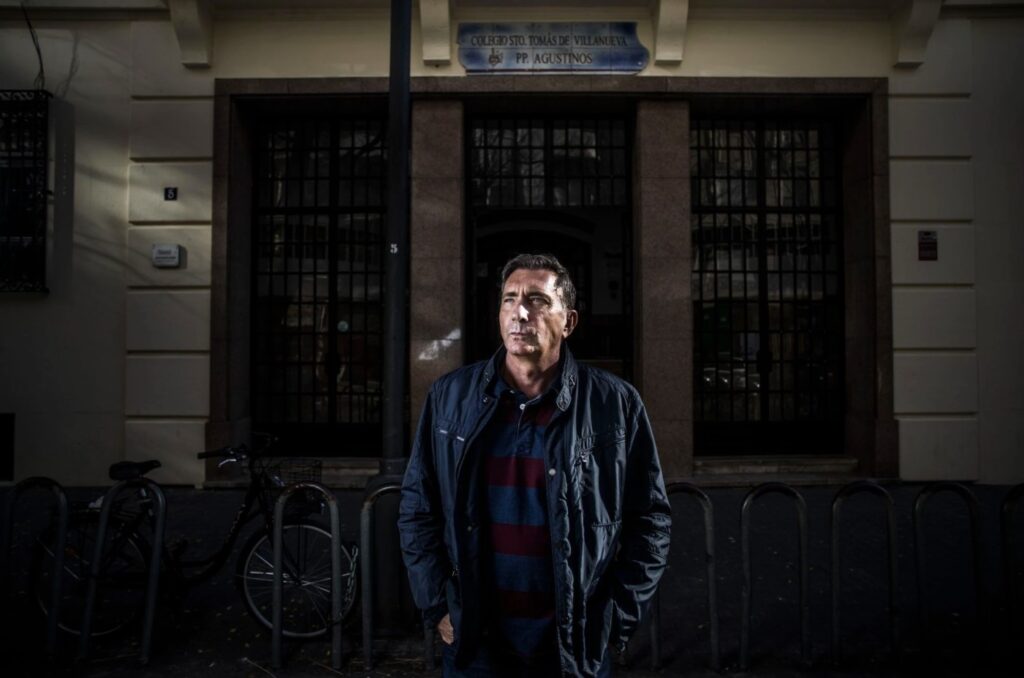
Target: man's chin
(518,348)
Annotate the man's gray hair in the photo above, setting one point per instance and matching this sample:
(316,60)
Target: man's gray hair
(544,262)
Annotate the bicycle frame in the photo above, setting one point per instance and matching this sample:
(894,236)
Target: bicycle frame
(257,495)
(257,501)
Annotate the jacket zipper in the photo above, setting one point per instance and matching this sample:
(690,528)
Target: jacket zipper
(556,554)
(461,543)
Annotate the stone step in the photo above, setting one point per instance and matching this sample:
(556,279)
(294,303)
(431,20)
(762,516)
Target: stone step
(349,473)
(794,470)
(751,480)
(774,465)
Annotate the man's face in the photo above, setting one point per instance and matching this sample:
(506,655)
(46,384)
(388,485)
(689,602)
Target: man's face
(532,318)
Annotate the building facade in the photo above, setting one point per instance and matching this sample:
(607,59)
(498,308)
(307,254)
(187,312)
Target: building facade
(793,228)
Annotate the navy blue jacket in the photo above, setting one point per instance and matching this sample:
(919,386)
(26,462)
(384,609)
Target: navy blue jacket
(608,512)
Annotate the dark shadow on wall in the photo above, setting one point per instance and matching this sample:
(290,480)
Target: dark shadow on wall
(61,235)
(6,447)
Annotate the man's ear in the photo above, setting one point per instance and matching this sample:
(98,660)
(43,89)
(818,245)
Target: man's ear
(571,320)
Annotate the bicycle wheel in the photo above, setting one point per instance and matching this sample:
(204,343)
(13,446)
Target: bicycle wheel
(121,588)
(306,577)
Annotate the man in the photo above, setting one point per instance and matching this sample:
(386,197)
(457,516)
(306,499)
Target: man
(533,520)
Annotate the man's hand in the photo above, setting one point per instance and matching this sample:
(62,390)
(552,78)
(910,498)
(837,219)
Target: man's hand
(444,627)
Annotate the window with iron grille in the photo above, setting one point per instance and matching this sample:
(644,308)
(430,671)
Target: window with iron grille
(24,130)
(319,213)
(544,162)
(767,285)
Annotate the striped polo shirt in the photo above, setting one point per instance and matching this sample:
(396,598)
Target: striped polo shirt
(522,572)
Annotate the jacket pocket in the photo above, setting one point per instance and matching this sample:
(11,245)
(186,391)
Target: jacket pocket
(449,441)
(589,443)
(448,432)
(599,468)
(600,542)
(600,617)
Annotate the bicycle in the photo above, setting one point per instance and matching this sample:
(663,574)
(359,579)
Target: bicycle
(124,565)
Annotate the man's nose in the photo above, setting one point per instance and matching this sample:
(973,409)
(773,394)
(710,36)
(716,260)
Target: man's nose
(522,312)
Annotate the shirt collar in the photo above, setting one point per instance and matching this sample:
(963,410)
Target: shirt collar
(496,384)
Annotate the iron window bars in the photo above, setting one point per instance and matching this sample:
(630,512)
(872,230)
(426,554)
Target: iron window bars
(24,134)
(318,273)
(545,162)
(767,286)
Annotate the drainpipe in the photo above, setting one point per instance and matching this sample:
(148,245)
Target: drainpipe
(396,251)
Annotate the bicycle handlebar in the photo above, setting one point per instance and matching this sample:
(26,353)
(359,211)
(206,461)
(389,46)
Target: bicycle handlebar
(266,440)
(228,451)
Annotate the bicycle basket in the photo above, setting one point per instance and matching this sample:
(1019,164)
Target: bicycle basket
(295,470)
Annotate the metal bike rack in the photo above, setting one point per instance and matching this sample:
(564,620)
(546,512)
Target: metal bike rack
(156,553)
(1006,527)
(277,629)
(801,508)
(366,546)
(6,544)
(709,559)
(973,508)
(844,493)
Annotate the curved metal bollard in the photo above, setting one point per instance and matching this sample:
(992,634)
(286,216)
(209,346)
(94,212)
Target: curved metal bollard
(6,543)
(973,507)
(366,565)
(1006,527)
(801,508)
(277,581)
(844,493)
(709,559)
(156,553)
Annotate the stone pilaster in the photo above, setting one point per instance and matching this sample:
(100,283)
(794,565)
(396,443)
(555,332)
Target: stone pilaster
(436,324)
(661,192)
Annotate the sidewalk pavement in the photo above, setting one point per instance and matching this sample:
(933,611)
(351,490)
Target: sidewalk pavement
(207,632)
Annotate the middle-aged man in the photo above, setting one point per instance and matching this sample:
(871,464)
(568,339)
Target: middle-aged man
(533,521)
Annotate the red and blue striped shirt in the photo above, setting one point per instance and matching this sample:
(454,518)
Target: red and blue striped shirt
(522,571)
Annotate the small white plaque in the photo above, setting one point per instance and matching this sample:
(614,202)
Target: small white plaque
(167,256)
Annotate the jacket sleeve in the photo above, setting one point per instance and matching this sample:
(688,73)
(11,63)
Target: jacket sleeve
(645,534)
(421,526)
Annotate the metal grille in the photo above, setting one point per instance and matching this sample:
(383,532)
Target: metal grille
(767,287)
(320,194)
(24,130)
(559,184)
(538,162)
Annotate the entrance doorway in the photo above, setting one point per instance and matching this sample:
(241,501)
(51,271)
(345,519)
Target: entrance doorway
(319,209)
(557,186)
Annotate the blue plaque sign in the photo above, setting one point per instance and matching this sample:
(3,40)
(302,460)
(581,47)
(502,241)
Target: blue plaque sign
(563,47)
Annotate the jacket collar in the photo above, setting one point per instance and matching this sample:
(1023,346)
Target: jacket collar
(567,379)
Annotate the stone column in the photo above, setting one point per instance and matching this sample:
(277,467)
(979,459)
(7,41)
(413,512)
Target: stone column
(664,323)
(437,324)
